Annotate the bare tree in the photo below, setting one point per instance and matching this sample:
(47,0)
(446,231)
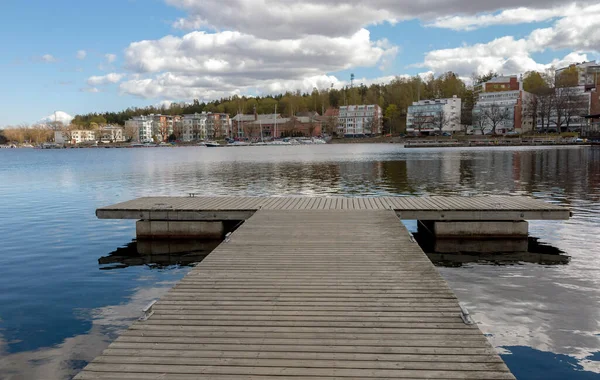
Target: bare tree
(131,132)
(570,104)
(178,129)
(420,119)
(479,121)
(250,129)
(311,127)
(545,106)
(495,115)
(442,119)
(331,126)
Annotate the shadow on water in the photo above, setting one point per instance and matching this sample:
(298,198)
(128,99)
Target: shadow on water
(537,253)
(164,253)
(158,254)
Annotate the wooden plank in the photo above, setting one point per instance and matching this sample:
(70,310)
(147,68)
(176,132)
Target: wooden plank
(296,371)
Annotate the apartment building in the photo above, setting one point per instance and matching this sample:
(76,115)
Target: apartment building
(191,127)
(144,127)
(218,125)
(82,136)
(435,115)
(502,111)
(111,134)
(163,125)
(360,120)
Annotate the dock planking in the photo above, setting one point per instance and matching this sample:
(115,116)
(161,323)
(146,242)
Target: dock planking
(307,294)
(495,208)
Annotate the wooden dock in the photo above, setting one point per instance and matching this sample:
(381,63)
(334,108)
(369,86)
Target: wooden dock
(435,208)
(321,288)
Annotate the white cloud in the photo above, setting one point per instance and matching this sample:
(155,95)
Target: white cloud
(579,33)
(173,86)
(210,65)
(81,54)
(237,54)
(105,79)
(48,58)
(273,46)
(512,16)
(275,19)
(60,116)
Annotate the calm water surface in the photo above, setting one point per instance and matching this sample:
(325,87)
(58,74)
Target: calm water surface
(60,307)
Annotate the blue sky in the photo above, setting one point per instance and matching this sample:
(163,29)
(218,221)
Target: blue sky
(256,47)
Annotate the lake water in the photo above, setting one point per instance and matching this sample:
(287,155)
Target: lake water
(64,297)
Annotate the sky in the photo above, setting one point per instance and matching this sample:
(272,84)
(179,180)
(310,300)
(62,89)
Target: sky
(73,57)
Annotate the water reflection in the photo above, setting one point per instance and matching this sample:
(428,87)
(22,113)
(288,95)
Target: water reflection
(158,253)
(57,310)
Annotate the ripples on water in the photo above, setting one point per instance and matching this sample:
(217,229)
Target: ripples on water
(60,306)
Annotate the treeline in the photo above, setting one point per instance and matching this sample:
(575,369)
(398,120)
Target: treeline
(394,98)
(36,134)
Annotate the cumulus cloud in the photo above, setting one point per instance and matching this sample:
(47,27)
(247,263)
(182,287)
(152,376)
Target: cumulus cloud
(209,65)
(234,54)
(286,19)
(579,32)
(81,54)
(105,79)
(59,116)
(110,58)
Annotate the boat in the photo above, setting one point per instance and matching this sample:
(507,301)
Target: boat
(212,144)
(238,143)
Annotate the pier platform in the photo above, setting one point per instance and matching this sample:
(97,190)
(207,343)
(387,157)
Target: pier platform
(307,288)
(435,208)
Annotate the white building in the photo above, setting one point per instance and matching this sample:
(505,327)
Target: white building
(143,125)
(192,127)
(426,116)
(364,120)
(111,134)
(506,109)
(82,136)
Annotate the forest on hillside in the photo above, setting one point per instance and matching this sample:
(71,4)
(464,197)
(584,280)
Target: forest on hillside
(394,98)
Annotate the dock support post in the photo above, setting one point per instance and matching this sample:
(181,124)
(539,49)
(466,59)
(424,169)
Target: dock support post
(477,229)
(162,229)
(477,236)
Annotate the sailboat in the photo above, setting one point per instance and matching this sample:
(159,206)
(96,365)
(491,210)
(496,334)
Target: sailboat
(262,141)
